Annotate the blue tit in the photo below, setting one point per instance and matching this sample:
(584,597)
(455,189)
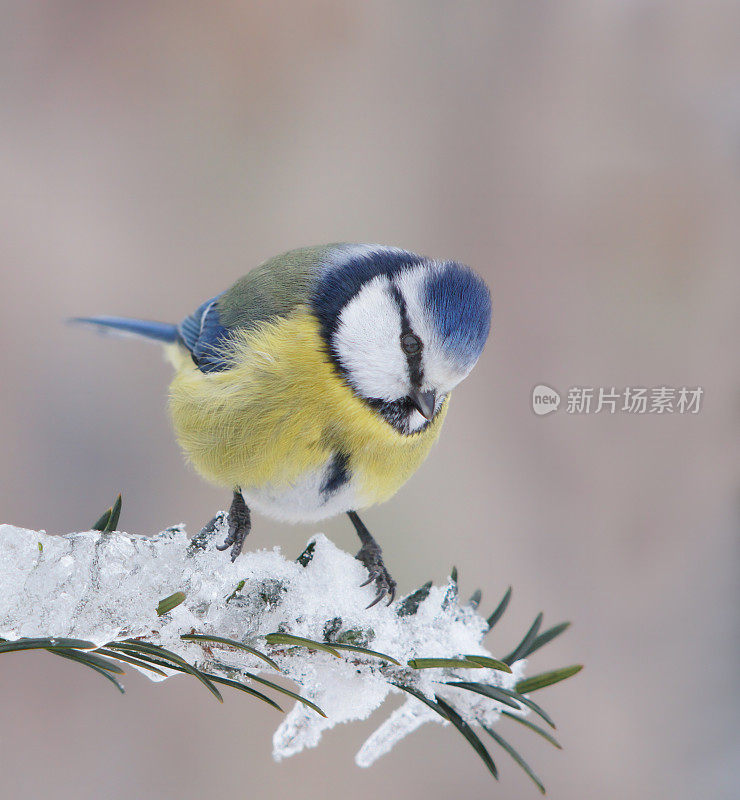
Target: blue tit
(317,384)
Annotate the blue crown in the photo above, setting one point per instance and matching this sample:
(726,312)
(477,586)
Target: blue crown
(461,309)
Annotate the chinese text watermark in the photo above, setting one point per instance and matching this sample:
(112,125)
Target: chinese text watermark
(613,400)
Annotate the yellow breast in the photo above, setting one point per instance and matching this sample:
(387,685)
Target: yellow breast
(282,411)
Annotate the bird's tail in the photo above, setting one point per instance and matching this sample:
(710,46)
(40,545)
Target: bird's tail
(121,326)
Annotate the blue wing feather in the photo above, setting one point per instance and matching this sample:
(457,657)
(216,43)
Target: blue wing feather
(201,333)
(123,326)
(204,335)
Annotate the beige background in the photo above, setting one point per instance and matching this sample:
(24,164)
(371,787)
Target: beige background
(584,157)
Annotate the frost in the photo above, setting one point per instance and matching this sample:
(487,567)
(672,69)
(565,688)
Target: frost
(401,723)
(103,587)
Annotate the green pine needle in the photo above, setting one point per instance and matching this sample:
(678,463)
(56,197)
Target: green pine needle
(475,599)
(86,657)
(201,637)
(492,663)
(545,637)
(520,698)
(236,591)
(175,662)
(287,638)
(547,678)
(513,753)
(365,651)
(446,663)
(168,603)
(108,521)
(242,688)
(450,715)
(46,643)
(536,728)
(104,672)
(410,605)
(285,691)
(424,699)
(499,612)
(469,734)
(494,692)
(506,696)
(523,646)
(130,660)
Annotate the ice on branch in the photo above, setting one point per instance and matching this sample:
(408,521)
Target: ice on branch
(119,594)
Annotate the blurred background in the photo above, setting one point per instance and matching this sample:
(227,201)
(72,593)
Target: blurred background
(585,158)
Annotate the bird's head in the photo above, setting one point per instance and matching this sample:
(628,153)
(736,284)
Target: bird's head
(401,329)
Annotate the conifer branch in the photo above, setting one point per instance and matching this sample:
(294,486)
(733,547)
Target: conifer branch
(166,605)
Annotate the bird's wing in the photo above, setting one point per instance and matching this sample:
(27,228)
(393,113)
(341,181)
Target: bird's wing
(270,291)
(204,335)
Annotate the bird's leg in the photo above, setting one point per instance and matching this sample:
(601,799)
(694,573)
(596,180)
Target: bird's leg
(240,523)
(370,555)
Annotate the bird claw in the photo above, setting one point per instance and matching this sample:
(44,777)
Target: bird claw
(235,540)
(239,526)
(372,560)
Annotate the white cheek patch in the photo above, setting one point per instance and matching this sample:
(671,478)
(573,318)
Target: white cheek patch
(367,343)
(440,372)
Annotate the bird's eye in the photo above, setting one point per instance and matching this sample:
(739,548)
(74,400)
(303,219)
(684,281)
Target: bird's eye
(410,343)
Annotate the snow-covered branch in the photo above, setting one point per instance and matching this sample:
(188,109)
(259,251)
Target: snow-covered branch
(108,597)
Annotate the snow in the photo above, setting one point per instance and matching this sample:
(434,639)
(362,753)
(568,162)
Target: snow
(103,587)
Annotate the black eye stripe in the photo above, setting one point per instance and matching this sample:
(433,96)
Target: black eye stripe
(413,359)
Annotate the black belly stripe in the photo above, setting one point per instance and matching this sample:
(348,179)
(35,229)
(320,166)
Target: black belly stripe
(412,359)
(337,474)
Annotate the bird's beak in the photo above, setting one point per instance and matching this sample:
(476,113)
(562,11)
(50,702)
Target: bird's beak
(424,402)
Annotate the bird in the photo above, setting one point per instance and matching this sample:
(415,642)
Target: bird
(317,384)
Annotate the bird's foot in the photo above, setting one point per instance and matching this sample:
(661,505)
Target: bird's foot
(371,557)
(240,523)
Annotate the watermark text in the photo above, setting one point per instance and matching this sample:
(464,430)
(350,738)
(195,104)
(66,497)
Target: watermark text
(623,400)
